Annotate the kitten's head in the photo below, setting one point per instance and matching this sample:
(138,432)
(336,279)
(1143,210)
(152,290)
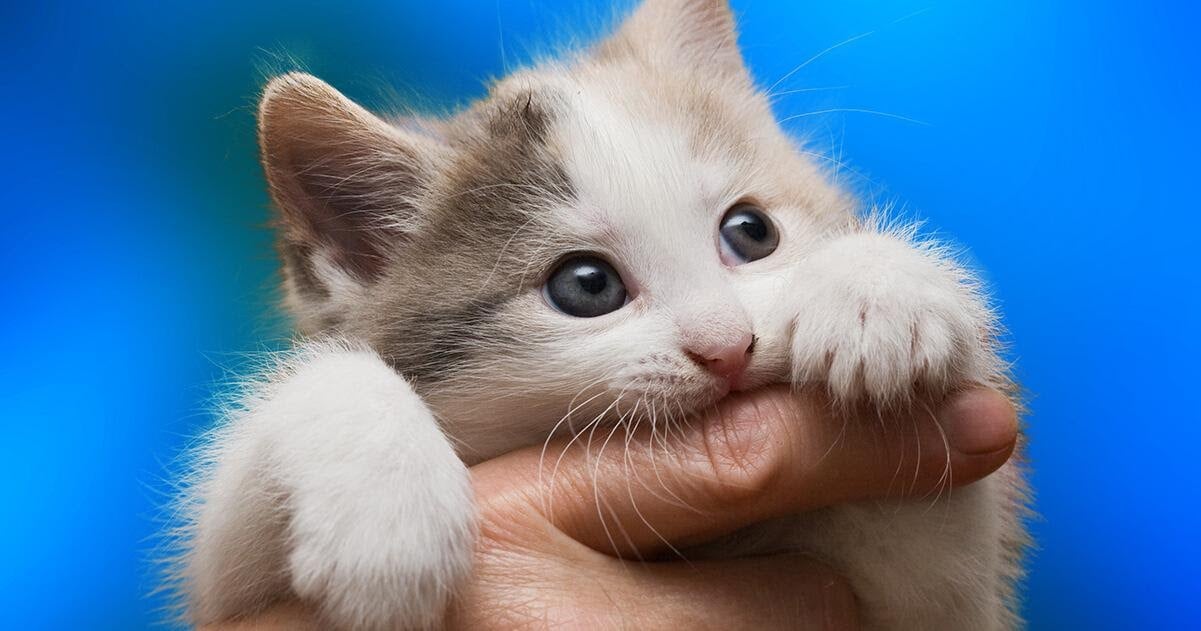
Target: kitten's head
(605,232)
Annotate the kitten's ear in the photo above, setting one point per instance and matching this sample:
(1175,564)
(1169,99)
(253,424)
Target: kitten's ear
(348,185)
(674,34)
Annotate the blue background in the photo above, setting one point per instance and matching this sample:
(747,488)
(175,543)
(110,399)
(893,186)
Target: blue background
(1061,147)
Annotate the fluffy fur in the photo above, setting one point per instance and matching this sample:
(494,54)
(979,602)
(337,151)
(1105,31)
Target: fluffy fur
(427,242)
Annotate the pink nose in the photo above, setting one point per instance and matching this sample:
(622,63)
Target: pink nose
(726,360)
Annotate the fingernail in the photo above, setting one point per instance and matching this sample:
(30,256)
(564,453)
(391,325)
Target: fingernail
(979,422)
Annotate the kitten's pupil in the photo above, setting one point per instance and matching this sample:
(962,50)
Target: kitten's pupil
(747,234)
(591,279)
(754,229)
(585,286)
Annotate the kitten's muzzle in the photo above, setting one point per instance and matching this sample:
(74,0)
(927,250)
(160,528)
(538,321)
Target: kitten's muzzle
(725,360)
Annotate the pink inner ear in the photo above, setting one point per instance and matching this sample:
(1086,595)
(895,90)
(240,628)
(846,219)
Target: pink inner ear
(346,215)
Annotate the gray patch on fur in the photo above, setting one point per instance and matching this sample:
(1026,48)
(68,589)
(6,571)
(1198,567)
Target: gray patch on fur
(432,315)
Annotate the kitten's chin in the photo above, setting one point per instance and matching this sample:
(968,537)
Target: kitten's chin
(700,399)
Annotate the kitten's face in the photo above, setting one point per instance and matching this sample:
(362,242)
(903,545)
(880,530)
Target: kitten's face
(606,237)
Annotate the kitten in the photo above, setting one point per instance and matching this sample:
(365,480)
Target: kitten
(630,220)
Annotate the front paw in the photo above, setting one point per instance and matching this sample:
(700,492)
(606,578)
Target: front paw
(878,317)
(377,571)
(379,508)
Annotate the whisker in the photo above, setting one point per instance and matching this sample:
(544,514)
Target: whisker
(853,110)
(814,58)
(597,497)
(549,436)
(630,491)
(917,465)
(591,424)
(674,500)
(588,449)
(827,88)
(944,481)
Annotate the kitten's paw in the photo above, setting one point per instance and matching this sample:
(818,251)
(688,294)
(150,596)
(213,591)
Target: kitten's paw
(382,572)
(382,518)
(881,318)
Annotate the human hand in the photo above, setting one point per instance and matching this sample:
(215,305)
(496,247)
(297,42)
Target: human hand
(561,537)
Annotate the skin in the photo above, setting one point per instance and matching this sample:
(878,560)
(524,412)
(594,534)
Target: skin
(544,558)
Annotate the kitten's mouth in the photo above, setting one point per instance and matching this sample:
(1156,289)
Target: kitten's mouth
(719,389)
(738,384)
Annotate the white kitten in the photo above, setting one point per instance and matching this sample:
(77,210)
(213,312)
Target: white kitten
(630,222)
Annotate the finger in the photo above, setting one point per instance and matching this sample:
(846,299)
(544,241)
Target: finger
(783,592)
(593,591)
(756,456)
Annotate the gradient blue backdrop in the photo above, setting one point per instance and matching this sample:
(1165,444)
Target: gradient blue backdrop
(1061,147)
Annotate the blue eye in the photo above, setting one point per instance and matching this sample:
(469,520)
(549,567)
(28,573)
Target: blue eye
(585,286)
(747,233)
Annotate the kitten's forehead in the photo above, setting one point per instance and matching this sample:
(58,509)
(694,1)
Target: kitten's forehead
(649,159)
(626,161)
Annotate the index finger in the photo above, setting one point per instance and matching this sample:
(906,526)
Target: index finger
(756,456)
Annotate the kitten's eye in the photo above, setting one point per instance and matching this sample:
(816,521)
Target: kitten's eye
(585,286)
(747,234)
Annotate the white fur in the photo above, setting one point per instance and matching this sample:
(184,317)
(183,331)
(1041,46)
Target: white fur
(878,315)
(336,482)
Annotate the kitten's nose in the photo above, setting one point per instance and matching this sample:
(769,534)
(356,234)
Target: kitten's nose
(726,359)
